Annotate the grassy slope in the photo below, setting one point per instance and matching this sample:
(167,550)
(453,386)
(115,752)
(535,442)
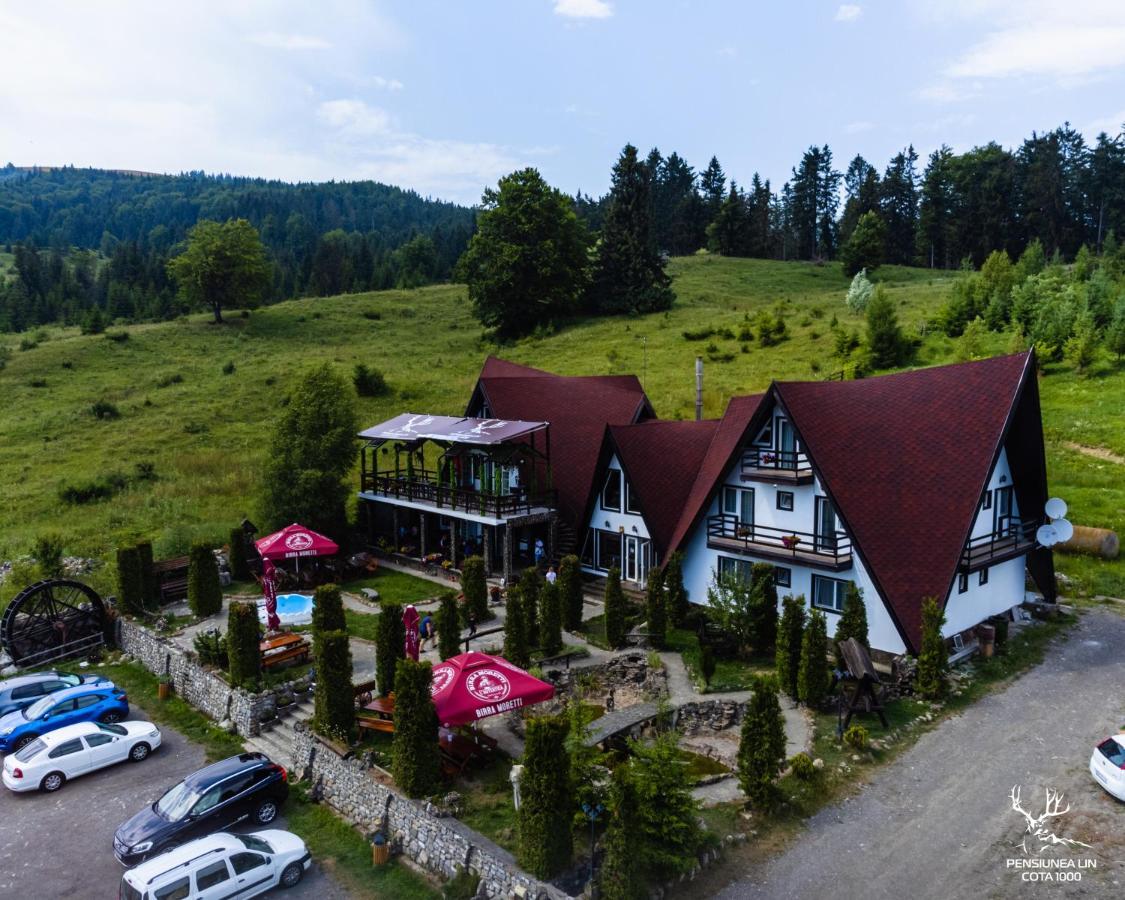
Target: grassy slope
(207,435)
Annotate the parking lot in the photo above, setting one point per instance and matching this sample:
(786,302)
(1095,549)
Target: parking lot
(61,845)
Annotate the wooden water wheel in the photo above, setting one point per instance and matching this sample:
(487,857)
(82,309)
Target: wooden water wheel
(50,620)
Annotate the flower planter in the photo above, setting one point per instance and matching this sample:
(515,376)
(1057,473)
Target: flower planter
(164,690)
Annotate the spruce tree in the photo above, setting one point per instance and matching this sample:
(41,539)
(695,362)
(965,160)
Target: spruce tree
(531,582)
(516,649)
(130,581)
(239,568)
(243,638)
(629,274)
(333,696)
(761,748)
(205,594)
(615,629)
(656,610)
(668,831)
(545,844)
(550,620)
(812,679)
(570,589)
(887,346)
(866,246)
(933,659)
(416,753)
(621,877)
(328,609)
(474,586)
(853,622)
(677,597)
(790,633)
(763,608)
(448,626)
(390,645)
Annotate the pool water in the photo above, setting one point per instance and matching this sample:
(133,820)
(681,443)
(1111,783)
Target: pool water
(292,609)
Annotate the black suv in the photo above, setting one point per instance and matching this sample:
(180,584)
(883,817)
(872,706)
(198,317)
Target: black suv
(247,788)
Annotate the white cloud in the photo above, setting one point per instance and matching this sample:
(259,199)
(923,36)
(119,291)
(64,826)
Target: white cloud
(583,9)
(848,12)
(858,127)
(354,117)
(728,51)
(946,91)
(387,84)
(289,41)
(1112,125)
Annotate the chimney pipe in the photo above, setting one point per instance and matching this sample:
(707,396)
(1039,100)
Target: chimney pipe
(698,388)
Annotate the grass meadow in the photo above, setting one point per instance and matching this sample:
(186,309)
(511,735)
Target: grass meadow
(195,402)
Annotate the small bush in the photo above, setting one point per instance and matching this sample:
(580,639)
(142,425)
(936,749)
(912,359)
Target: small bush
(369,382)
(228,368)
(37,383)
(48,552)
(145,470)
(707,663)
(103,409)
(169,380)
(28,344)
(803,767)
(118,337)
(195,428)
(462,886)
(856,737)
(92,491)
(211,648)
(372,315)
(700,335)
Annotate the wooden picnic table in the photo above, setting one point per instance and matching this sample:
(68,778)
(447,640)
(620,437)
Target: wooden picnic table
(377,715)
(282,648)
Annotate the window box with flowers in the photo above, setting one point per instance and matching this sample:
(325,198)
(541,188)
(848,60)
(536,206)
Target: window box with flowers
(790,541)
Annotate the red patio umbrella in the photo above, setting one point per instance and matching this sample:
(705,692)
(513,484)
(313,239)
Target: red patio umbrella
(410,620)
(295,541)
(273,623)
(473,686)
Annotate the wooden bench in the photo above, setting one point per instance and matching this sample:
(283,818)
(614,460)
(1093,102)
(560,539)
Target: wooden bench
(377,715)
(283,648)
(563,658)
(172,578)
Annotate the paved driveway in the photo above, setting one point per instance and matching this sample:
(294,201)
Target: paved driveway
(56,846)
(938,822)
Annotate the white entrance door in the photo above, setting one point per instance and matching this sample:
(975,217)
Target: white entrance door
(636,559)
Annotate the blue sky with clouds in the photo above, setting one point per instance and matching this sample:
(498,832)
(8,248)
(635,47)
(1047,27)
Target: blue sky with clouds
(447,96)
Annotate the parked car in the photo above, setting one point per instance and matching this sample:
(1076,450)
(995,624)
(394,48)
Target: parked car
(220,865)
(241,788)
(50,761)
(1107,765)
(23,690)
(100,702)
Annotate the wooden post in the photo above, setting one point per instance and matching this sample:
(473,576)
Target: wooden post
(507,554)
(394,525)
(454,533)
(553,538)
(486,539)
(421,535)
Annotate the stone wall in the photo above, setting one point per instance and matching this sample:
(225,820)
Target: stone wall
(709,715)
(436,842)
(207,691)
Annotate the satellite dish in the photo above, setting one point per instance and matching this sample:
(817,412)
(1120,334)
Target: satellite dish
(1064,531)
(1047,535)
(1055,508)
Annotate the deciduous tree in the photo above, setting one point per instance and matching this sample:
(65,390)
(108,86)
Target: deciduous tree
(224,265)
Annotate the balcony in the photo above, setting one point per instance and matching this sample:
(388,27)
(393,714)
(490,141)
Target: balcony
(761,464)
(422,487)
(823,551)
(1015,539)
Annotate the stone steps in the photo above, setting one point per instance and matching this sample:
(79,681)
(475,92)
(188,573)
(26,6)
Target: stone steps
(275,738)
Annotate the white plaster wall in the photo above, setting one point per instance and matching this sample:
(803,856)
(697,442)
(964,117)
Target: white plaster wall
(633,524)
(1004,590)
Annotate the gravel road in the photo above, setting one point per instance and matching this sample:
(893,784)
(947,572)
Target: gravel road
(938,821)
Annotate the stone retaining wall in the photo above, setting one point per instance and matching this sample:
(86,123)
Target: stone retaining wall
(438,843)
(207,691)
(709,715)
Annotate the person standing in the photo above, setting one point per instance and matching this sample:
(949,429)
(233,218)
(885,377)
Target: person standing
(552,575)
(540,552)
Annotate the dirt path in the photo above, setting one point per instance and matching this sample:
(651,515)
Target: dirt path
(1096,452)
(938,821)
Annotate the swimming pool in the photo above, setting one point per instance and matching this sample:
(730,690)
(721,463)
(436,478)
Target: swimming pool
(292,609)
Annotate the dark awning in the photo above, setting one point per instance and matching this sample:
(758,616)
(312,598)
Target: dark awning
(459,430)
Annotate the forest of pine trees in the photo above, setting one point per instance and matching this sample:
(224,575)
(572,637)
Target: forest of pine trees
(87,238)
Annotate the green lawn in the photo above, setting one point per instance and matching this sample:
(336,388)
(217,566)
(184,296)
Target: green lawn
(205,434)
(730,674)
(399,587)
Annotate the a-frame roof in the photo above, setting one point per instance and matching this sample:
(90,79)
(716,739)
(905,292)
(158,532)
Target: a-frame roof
(660,459)
(578,409)
(905,459)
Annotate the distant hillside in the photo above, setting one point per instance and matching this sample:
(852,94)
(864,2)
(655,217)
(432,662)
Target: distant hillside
(328,238)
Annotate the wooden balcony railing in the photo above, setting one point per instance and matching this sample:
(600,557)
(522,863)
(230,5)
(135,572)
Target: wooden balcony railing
(727,531)
(1006,542)
(423,487)
(784,463)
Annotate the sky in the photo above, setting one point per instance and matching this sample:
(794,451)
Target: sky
(446,97)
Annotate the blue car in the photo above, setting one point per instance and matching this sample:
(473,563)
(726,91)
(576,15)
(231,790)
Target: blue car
(23,690)
(101,702)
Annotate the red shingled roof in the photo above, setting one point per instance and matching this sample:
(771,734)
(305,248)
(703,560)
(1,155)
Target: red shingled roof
(905,459)
(660,459)
(578,409)
(727,439)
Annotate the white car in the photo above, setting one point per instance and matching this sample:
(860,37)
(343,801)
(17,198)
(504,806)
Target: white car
(220,865)
(51,760)
(1107,765)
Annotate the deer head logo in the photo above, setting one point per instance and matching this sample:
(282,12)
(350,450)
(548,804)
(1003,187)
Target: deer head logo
(1036,825)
